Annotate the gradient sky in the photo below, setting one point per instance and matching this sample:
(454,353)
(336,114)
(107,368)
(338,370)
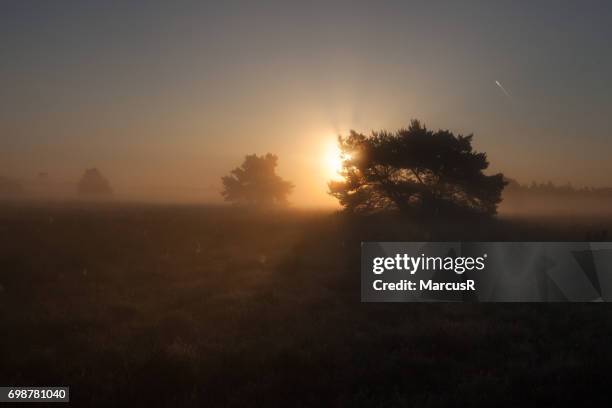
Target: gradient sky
(162,94)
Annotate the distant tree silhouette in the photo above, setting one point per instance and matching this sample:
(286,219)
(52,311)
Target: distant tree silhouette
(10,187)
(415,170)
(551,189)
(93,183)
(255,182)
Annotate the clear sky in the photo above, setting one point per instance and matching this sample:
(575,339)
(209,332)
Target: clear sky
(175,93)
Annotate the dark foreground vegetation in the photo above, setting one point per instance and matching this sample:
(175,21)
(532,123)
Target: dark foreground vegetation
(191,306)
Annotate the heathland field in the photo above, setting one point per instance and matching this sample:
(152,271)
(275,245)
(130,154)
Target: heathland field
(144,305)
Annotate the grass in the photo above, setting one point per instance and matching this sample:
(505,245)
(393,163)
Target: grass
(142,305)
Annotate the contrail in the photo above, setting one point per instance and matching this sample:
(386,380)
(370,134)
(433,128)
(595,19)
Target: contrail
(502,88)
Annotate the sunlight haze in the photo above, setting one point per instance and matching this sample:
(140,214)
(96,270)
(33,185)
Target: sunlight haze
(167,99)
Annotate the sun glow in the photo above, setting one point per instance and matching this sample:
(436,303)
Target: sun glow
(333,159)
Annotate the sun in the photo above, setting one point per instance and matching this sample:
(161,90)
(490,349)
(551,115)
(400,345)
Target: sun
(333,161)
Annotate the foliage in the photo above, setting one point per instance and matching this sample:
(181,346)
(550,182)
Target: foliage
(255,182)
(415,170)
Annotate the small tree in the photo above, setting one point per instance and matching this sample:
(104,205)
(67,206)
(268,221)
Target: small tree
(94,183)
(255,182)
(415,170)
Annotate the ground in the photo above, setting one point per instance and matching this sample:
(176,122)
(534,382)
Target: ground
(151,305)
